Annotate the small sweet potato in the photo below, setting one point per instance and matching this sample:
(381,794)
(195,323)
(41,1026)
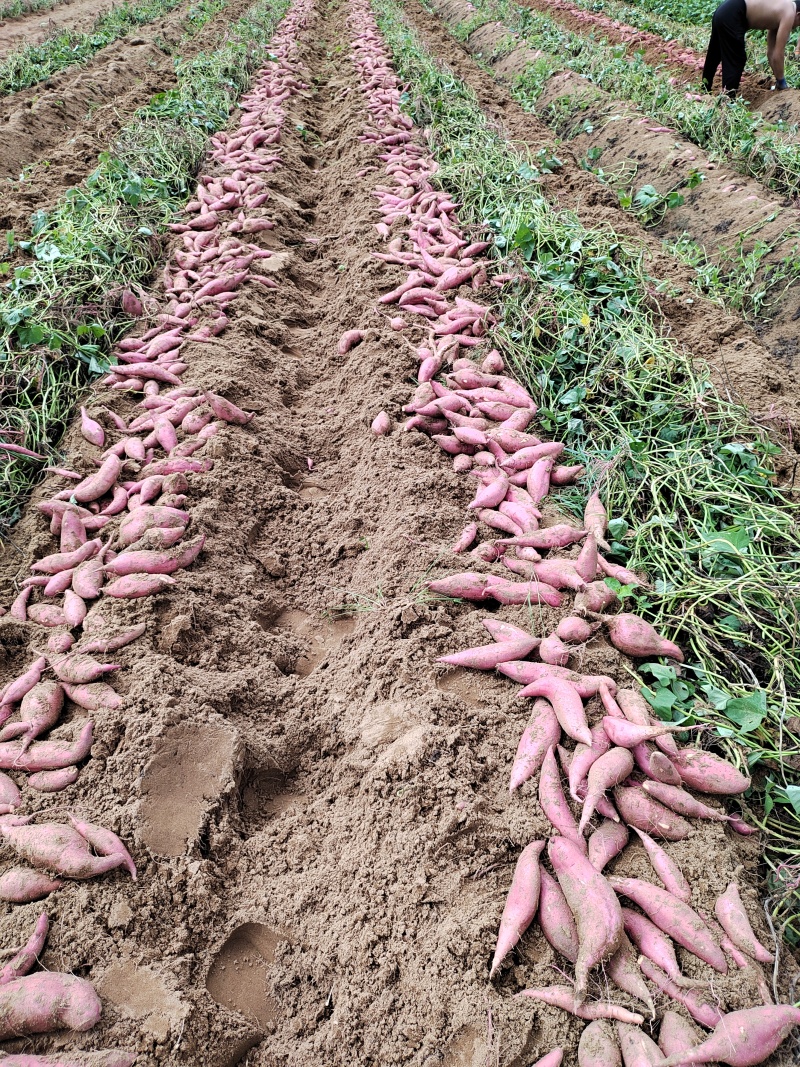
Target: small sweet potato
(606,842)
(733,919)
(541,733)
(666,868)
(566,702)
(21,885)
(554,804)
(563,996)
(47,1001)
(598,1046)
(521,904)
(640,810)
(708,773)
(555,918)
(608,770)
(676,1034)
(674,917)
(695,1002)
(638,1049)
(53,781)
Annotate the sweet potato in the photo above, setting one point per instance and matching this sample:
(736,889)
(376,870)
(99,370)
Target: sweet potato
(47,1001)
(47,615)
(640,810)
(676,1034)
(467,536)
(53,846)
(46,755)
(381,424)
(553,650)
(507,592)
(598,1046)
(554,804)
(684,803)
(708,773)
(17,689)
(628,734)
(583,758)
(595,597)
(99,483)
(19,607)
(165,562)
(92,431)
(636,709)
(606,842)
(466,586)
(53,781)
(551,537)
(521,904)
(595,519)
(675,918)
(566,702)
(638,1050)
(593,903)
(9,794)
(586,563)
(78,668)
(608,770)
(742,1038)
(541,733)
(562,996)
(133,586)
(506,631)
(695,1002)
(574,631)
(490,495)
(113,642)
(134,525)
(552,1059)
(636,637)
(25,960)
(555,918)
(487,657)
(624,972)
(666,868)
(733,919)
(73,532)
(65,561)
(654,944)
(105,842)
(559,573)
(655,764)
(39,711)
(94,696)
(21,885)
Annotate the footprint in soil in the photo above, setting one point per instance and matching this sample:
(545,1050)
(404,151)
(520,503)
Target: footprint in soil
(267,793)
(473,689)
(321,637)
(240,971)
(191,767)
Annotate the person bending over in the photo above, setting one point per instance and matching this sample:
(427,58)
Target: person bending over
(731,21)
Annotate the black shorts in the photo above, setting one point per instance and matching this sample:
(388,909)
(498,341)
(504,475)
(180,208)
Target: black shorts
(727,47)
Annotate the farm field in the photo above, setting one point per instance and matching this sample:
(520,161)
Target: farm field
(398,538)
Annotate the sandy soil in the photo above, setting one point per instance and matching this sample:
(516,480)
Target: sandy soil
(318,810)
(37,26)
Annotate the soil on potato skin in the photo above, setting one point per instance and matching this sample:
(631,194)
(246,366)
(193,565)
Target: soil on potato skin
(54,131)
(743,365)
(319,811)
(36,26)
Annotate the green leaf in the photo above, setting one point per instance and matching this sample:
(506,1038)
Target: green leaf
(665,675)
(793,796)
(747,712)
(618,528)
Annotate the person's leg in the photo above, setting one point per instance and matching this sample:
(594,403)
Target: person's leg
(734,58)
(713,59)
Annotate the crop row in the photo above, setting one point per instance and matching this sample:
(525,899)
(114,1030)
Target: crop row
(480,416)
(730,131)
(688,481)
(120,532)
(61,311)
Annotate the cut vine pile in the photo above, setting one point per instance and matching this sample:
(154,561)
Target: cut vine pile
(399,573)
